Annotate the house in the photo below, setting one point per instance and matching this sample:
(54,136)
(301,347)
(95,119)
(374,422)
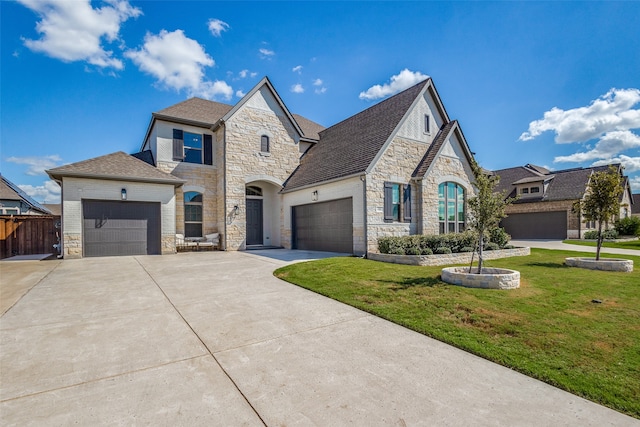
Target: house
(544,209)
(261,176)
(635,207)
(14,201)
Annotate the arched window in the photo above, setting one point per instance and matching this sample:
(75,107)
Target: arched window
(192,214)
(451,207)
(264,143)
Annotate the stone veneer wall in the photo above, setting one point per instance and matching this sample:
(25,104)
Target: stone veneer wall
(395,165)
(204,178)
(244,160)
(443,169)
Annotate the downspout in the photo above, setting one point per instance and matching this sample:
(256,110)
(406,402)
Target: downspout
(363,178)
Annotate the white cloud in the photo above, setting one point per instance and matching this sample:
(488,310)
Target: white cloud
(266,53)
(319,88)
(635,183)
(240,93)
(49,192)
(608,146)
(317,82)
(297,69)
(631,164)
(611,112)
(217,26)
(405,79)
(37,164)
(178,62)
(246,73)
(71,30)
(297,88)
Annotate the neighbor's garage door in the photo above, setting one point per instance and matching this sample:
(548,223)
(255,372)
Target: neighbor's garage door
(324,226)
(539,225)
(120,228)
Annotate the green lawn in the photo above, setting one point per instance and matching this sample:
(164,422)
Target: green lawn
(549,328)
(631,244)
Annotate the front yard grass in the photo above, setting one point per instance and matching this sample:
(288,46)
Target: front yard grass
(550,328)
(629,244)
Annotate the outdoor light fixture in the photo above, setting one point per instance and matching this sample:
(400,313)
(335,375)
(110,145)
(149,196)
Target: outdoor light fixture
(236,209)
(314,196)
(123,194)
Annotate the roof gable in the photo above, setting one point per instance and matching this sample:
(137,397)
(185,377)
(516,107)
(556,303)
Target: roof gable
(115,166)
(10,191)
(352,146)
(436,147)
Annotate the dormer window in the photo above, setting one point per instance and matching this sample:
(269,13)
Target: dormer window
(264,144)
(525,191)
(192,147)
(535,189)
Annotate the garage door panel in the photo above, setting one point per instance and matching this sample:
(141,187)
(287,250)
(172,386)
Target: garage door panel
(536,225)
(120,228)
(324,226)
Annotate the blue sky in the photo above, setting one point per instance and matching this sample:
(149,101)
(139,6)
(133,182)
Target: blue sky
(555,84)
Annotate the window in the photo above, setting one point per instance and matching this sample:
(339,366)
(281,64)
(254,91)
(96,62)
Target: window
(451,207)
(192,214)
(253,191)
(397,202)
(535,189)
(427,124)
(192,147)
(525,191)
(264,143)
(9,211)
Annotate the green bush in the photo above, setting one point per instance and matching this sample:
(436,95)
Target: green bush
(629,226)
(426,251)
(607,234)
(428,244)
(466,249)
(499,236)
(491,246)
(443,250)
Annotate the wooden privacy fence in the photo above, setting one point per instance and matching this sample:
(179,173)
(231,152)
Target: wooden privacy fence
(28,234)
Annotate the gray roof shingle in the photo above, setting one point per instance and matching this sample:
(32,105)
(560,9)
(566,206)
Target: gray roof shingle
(349,147)
(434,148)
(118,166)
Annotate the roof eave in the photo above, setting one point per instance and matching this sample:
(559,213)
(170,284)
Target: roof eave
(329,181)
(59,176)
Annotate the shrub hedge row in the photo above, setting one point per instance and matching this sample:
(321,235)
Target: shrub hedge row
(441,243)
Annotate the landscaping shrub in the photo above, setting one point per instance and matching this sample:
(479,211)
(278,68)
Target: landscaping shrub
(443,250)
(466,249)
(607,234)
(629,226)
(428,244)
(426,251)
(499,236)
(491,246)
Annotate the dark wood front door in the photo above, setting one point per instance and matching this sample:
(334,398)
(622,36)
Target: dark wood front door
(254,222)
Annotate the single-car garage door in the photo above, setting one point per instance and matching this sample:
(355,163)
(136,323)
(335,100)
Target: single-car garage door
(120,228)
(538,225)
(324,226)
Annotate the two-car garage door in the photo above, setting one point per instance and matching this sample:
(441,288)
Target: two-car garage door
(120,228)
(536,225)
(324,226)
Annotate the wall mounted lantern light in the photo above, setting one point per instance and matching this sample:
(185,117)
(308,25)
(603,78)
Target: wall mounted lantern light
(123,194)
(236,209)
(314,196)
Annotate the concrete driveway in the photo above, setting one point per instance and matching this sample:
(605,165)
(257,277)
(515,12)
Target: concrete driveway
(214,339)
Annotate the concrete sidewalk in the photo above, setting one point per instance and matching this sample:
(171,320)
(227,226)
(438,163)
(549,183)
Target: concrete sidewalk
(213,338)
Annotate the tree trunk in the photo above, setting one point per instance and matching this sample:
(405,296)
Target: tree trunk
(599,244)
(480,247)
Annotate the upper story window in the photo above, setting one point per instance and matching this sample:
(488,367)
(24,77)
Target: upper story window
(535,189)
(397,202)
(427,124)
(451,207)
(192,147)
(264,144)
(525,191)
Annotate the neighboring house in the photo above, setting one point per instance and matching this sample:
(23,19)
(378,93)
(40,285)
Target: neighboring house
(544,209)
(263,177)
(14,201)
(635,207)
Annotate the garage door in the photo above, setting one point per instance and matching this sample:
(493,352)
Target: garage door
(120,228)
(324,226)
(539,225)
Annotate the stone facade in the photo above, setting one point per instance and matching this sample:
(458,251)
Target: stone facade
(490,278)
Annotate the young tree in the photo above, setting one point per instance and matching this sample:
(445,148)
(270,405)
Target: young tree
(601,202)
(486,208)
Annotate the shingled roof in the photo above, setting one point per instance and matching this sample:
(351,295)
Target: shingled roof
(10,191)
(434,148)
(115,166)
(567,184)
(349,147)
